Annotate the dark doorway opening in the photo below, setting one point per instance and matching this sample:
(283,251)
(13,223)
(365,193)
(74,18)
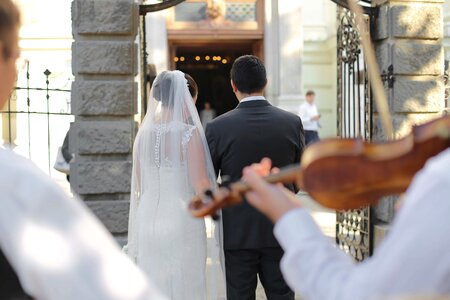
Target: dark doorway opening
(210,66)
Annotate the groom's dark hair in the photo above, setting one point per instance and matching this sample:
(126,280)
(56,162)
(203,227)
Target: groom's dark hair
(248,74)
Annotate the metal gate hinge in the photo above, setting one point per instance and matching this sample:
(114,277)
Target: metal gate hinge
(388,76)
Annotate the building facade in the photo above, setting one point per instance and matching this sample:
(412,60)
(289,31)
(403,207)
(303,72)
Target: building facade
(99,41)
(296,40)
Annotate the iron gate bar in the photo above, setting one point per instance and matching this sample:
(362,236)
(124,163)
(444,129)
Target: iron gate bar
(28,109)
(143,10)
(38,89)
(146,8)
(352,68)
(47,73)
(446,110)
(367,9)
(344,106)
(36,113)
(359,98)
(144,64)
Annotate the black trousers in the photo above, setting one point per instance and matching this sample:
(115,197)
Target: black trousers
(311,136)
(242,268)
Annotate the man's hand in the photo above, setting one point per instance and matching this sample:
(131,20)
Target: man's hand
(316,118)
(272,200)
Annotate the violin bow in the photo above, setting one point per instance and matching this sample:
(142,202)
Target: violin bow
(372,67)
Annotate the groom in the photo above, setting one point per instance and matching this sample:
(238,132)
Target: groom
(253,130)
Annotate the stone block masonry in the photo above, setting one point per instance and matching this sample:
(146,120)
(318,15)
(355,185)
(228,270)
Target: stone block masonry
(104,96)
(408,36)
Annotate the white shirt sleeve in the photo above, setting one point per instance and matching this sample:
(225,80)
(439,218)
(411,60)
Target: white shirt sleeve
(304,114)
(58,249)
(413,259)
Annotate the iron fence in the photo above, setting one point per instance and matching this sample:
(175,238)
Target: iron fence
(36,119)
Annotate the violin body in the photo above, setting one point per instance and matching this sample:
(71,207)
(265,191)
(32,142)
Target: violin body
(346,174)
(350,173)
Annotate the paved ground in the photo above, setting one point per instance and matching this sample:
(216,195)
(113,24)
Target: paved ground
(325,218)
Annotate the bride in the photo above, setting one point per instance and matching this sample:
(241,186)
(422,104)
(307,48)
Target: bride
(171,163)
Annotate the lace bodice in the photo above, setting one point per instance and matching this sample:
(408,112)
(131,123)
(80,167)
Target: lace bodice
(180,131)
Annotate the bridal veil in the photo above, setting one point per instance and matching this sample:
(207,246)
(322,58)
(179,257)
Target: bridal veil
(171,163)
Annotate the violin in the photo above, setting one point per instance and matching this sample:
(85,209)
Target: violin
(344,174)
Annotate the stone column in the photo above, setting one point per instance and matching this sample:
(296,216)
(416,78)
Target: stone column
(283,48)
(408,39)
(104,62)
(157,45)
(447,30)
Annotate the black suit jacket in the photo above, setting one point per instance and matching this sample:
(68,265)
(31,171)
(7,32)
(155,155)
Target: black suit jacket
(243,136)
(10,287)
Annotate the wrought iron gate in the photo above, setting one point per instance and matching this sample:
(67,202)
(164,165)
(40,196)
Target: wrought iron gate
(354,107)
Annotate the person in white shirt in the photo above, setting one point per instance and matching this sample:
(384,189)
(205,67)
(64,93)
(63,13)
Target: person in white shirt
(310,118)
(412,261)
(207,114)
(52,247)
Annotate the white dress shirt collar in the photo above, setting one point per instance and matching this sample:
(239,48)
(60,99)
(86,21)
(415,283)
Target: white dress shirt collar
(252,98)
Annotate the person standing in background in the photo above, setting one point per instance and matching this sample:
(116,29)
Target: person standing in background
(66,153)
(207,114)
(310,117)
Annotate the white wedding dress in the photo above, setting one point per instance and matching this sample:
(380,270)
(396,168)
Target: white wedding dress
(171,163)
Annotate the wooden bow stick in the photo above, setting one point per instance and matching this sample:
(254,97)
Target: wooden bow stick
(374,73)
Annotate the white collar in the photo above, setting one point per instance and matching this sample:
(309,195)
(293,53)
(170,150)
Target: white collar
(252,98)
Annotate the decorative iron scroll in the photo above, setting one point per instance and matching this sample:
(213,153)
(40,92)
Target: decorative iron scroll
(348,38)
(353,233)
(354,107)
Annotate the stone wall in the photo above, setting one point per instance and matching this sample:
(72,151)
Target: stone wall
(104,58)
(283,52)
(408,38)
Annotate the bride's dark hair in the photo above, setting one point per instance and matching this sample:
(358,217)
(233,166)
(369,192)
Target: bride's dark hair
(163,84)
(192,85)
